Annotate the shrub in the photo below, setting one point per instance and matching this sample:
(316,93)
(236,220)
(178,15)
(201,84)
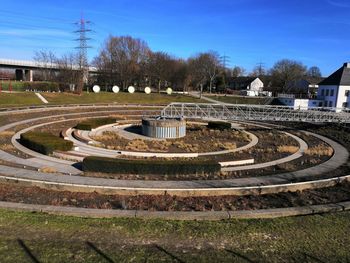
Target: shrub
(320,150)
(88,125)
(287,149)
(156,167)
(219,125)
(43,86)
(45,143)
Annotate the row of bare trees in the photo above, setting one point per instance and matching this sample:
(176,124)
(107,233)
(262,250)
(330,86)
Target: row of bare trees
(128,61)
(124,61)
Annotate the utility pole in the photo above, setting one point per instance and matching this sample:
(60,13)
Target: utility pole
(224,59)
(83,29)
(261,67)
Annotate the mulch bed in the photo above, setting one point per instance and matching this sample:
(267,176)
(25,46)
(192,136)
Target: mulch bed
(35,195)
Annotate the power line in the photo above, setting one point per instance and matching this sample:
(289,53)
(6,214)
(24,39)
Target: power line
(83,30)
(224,59)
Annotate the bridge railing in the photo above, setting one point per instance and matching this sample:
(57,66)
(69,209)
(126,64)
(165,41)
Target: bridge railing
(255,112)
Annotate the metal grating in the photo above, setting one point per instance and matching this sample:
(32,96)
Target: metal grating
(255,112)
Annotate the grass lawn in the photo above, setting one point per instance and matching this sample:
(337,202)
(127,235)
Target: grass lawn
(122,97)
(26,236)
(18,99)
(241,100)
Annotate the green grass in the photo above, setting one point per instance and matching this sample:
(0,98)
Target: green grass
(16,85)
(19,99)
(318,238)
(240,99)
(109,97)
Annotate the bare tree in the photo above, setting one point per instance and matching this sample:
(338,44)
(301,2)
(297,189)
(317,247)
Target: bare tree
(259,71)
(160,67)
(205,67)
(69,72)
(46,60)
(238,71)
(287,71)
(121,58)
(314,72)
(179,75)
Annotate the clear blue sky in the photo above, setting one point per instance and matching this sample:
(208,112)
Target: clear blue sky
(315,32)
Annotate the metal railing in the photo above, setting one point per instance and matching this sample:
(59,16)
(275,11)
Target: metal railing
(255,112)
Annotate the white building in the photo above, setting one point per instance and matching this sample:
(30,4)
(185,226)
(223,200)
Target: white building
(248,86)
(298,104)
(334,91)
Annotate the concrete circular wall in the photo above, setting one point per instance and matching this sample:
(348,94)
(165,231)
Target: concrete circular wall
(164,128)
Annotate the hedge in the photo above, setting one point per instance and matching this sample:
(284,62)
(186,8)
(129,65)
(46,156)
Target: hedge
(156,167)
(42,86)
(219,125)
(90,124)
(45,143)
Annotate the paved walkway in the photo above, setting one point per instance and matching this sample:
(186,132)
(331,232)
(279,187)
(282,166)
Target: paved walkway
(42,161)
(92,150)
(179,215)
(197,95)
(339,158)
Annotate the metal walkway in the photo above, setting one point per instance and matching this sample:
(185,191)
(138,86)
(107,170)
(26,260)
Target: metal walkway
(255,112)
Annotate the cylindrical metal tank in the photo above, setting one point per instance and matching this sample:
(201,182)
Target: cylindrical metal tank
(164,128)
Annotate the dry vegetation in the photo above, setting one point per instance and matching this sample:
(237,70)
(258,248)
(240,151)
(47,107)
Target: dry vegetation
(48,170)
(198,139)
(320,150)
(287,149)
(7,133)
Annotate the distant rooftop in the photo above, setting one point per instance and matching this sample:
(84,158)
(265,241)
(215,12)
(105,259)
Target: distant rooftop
(339,78)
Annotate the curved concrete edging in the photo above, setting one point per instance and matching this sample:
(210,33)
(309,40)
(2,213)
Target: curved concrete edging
(83,147)
(179,215)
(41,160)
(302,148)
(340,157)
(126,190)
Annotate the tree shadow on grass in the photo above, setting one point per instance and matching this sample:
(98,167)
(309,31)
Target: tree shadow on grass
(27,251)
(241,256)
(99,252)
(169,254)
(313,258)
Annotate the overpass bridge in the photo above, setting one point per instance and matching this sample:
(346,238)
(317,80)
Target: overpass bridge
(24,68)
(233,112)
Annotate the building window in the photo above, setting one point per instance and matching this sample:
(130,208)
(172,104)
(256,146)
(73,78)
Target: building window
(327,92)
(330,104)
(326,103)
(322,92)
(332,92)
(347,93)
(320,104)
(345,105)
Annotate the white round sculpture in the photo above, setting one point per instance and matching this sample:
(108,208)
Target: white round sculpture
(131,89)
(169,91)
(96,89)
(115,89)
(148,90)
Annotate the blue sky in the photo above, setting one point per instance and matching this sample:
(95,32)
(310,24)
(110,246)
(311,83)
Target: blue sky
(315,32)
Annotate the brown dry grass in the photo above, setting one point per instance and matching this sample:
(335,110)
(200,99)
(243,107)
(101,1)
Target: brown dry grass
(7,133)
(226,145)
(7,147)
(48,170)
(186,146)
(287,149)
(162,146)
(137,145)
(320,150)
